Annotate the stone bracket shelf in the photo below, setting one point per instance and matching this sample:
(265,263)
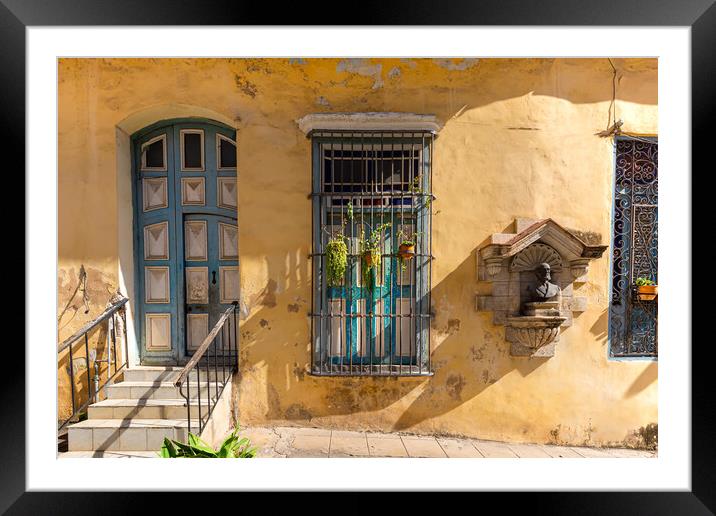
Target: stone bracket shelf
(508,262)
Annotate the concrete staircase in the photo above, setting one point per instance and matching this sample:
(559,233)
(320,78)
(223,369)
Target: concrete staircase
(139,413)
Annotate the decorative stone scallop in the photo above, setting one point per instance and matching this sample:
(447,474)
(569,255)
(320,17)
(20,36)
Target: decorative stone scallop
(535,254)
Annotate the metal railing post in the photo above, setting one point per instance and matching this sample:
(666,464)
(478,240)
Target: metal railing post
(93,384)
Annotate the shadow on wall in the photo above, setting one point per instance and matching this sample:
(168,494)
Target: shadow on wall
(600,330)
(467,357)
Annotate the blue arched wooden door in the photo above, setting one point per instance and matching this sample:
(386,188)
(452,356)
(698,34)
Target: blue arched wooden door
(186,234)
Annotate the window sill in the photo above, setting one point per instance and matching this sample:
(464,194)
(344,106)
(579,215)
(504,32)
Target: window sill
(376,370)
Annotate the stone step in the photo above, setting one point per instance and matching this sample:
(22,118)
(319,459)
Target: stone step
(145,409)
(127,454)
(123,435)
(170,374)
(157,390)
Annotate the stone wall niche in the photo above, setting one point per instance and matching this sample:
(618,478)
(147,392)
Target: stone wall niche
(533,317)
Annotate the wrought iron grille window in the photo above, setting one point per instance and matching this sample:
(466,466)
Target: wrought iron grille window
(633,322)
(372,193)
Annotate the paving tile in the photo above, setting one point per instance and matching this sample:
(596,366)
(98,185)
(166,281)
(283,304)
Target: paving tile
(528,451)
(386,447)
(592,453)
(302,431)
(459,448)
(561,452)
(381,435)
(627,453)
(312,445)
(492,449)
(423,447)
(349,446)
(348,434)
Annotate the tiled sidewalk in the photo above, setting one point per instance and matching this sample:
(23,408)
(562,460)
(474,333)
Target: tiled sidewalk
(317,442)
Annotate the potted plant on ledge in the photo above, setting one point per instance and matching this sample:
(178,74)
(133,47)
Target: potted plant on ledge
(646,289)
(406,248)
(371,251)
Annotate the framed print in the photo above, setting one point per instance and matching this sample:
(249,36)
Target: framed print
(456,251)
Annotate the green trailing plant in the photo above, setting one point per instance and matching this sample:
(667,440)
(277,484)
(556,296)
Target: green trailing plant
(336,260)
(336,253)
(233,447)
(416,187)
(643,282)
(370,250)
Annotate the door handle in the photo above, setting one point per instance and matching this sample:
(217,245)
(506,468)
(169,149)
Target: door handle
(213,277)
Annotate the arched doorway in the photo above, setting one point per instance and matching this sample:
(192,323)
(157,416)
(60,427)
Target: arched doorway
(185,234)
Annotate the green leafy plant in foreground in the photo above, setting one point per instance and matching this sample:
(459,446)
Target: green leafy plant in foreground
(643,282)
(233,447)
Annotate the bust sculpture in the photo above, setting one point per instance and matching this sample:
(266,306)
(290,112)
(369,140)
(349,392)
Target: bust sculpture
(545,290)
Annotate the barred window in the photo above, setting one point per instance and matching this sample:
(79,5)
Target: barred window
(632,312)
(371,252)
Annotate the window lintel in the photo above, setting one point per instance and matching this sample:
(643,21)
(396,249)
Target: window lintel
(369,121)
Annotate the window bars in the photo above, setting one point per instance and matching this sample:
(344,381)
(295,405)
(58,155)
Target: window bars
(633,321)
(371,298)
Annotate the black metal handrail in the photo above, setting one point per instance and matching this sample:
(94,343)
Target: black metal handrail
(109,314)
(216,340)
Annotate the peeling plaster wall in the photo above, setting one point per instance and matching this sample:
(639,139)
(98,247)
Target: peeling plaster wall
(519,141)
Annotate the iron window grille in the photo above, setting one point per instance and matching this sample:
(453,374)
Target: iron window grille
(633,322)
(374,323)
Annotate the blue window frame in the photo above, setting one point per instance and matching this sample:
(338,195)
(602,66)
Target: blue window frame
(633,319)
(375,320)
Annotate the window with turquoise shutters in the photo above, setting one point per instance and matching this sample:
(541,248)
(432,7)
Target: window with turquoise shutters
(371,295)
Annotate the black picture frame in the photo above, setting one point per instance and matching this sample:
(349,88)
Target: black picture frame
(700,15)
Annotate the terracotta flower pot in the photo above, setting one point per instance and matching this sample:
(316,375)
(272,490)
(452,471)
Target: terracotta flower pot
(368,259)
(647,292)
(406,251)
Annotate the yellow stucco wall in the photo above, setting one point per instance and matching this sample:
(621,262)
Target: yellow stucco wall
(518,141)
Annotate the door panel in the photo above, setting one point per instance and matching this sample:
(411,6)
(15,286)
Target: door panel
(212,279)
(186,234)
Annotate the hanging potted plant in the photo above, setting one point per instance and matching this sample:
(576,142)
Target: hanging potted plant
(646,289)
(370,251)
(406,248)
(336,260)
(336,254)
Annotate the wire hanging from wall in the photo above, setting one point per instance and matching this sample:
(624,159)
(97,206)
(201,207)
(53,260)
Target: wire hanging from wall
(614,125)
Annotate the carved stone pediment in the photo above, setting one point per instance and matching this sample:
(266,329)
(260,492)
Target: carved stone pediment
(509,261)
